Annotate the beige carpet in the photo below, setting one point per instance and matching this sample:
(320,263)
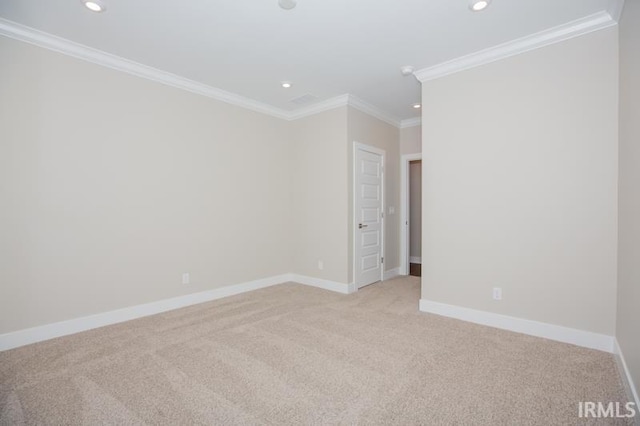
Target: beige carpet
(292,354)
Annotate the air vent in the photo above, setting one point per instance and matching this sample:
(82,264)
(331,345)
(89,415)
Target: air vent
(304,99)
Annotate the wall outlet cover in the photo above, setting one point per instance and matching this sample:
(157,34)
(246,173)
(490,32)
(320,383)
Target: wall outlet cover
(497,293)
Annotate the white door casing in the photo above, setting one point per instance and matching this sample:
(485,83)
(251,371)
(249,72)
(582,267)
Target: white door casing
(368,194)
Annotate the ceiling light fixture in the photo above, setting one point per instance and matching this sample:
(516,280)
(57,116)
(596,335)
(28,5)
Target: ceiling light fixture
(478,5)
(286,84)
(417,106)
(287,4)
(94,5)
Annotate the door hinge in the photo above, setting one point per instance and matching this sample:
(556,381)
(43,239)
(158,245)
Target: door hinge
(382,215)
(382,260)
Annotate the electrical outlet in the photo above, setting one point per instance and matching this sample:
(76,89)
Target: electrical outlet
(497,293)
(186,278)
(320,265)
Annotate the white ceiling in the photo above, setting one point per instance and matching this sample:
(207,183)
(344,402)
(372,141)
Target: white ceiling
(325,47)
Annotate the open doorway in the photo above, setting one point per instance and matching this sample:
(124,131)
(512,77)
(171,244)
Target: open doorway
(411,204)
(415,218)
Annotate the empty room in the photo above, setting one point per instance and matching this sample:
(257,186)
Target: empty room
(420,212)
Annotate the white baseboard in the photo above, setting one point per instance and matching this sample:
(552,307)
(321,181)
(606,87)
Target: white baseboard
(76,325)
(391,273)
(415,259)
(325,284)
(627,380)
(574,336)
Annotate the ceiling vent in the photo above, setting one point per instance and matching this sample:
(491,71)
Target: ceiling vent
(304,99)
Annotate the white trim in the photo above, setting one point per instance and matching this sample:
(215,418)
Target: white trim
(557,34)
(415,259)
(95,56)
(404,210)
(318,107)
(573,336)
(344,100)
(373,111)
(64,328)
(391,273)
(324,284)
(76,325)
(411,122)
(360,146)
(563,32)
(67,47)
(625,375)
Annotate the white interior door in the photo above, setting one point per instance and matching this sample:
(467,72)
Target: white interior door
(368,214)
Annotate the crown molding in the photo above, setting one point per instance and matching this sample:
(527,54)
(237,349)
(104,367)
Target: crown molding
(344,100)
(373,111)
(411,122)
(89,54)
(553,35)
(318,107)
(79,51)
(560,33)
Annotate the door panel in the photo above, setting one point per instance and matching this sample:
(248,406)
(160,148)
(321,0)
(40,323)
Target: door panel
(368,193)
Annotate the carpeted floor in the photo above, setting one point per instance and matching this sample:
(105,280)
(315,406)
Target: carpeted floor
(292,354)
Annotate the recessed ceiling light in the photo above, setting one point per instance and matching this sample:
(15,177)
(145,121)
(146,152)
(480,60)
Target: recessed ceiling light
(287,4)
(95,5)
(417,106)
(478,5)
(286,84)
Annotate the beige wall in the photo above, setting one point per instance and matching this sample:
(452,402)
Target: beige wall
(112,186)
(321,196)
(322,203)
(411,140)
(415,208)
(520,174)
(628,321)
(368,130)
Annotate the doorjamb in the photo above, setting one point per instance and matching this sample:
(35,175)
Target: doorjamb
(405,210)
(354,224)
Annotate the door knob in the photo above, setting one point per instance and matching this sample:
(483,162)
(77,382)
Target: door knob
(362,226)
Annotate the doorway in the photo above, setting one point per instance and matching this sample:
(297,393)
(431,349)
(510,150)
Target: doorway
(411,204)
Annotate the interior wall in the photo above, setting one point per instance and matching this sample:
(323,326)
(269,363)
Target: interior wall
(415,209)
(116,185)
(368,130)
(321,196)
(112,186)
(521,177)
(411,140)
(628,320)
